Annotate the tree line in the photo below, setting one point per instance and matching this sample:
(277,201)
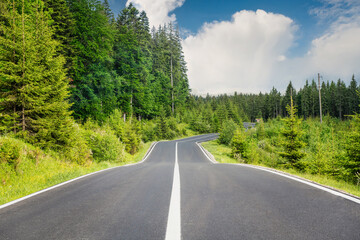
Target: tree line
(207,113)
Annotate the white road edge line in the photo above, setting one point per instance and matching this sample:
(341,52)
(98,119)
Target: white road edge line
(326,189)
(173,229)
(202,149)
(75,179)
(304,182)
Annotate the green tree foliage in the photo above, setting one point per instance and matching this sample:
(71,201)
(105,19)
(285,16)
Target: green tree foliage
(63,26)
(95,84)
(34,86)
(227,132)
(104,145)
(239,144)
(292,143)
(162,126)
(353,146)
(260,130)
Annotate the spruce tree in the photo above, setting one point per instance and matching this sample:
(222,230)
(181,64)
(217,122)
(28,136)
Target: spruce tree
(95,84)
(353,145)
(34,80)
(133,62)
(353,97)
(63,25)
(292,143)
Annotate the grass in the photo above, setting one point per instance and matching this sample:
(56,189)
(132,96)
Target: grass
(50,171)
(222,154)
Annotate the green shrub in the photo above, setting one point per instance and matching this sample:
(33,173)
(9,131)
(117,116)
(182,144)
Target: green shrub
(239,144)
(149,131)
(116,122)
(10,151)
(227,132)
(78,151)
(131,140)
(260,130)
(353,147)
(104,144)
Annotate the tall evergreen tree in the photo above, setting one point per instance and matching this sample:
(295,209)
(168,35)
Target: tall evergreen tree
(95,84)
(353,99)
(340,98)
(353,146)
(134,62)
(292,144)
(34,82)
(286,101)
(64,27)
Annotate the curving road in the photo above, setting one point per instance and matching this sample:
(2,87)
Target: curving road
(178,191)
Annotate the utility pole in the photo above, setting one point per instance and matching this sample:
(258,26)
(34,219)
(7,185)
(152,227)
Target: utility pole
(320,98)
(172,85)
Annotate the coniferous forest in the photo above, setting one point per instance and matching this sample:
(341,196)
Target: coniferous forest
(80,86)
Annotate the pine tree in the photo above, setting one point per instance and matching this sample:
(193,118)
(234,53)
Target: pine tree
(35,85)
(290,93)
(353,97)
(340,99)
(95,84)
(108,12)
(239,144)
(134,62)
(292,144)
(353,145)
(64,27)
(10,70)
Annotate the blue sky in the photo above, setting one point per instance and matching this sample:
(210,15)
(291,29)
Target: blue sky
(252,45)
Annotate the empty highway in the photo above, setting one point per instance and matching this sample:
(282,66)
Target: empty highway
(177,193)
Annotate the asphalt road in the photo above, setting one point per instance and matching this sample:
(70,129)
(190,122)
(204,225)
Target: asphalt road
(218,201)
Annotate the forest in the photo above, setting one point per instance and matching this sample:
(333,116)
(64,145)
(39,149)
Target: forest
(80,86)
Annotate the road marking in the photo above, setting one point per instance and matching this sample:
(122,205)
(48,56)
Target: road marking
(307,182)
(173,230)
(75,179)
(206,155)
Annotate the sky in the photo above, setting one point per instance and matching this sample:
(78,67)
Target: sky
(250,46)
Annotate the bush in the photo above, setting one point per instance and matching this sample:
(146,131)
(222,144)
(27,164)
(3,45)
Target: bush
(116,122)
(148,130)
(239,144)
(227,132)
(104,145)
(10,151)
(353,147)
(131,140)
(78,151)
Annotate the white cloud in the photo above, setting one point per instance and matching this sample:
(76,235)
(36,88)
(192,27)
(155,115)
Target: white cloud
(337,10)
(335,54)
(338,52)
(158,10)
(239,54)
(248,54)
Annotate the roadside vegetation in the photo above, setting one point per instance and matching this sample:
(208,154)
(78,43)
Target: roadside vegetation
(326,153)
